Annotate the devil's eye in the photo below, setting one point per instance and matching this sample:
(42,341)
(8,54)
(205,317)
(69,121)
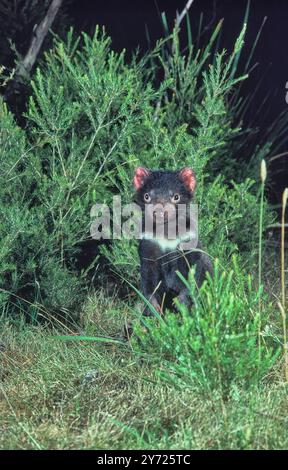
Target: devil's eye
(175,197)
(147,198)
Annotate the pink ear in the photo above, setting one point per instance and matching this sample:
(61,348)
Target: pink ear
(140,176)
(188,177)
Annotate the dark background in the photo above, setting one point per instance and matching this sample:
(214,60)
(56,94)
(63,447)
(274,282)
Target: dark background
(126,22)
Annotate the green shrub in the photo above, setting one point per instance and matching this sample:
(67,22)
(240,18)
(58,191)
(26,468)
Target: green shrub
(16,221)
(196,96)
(215,344)
(92,118)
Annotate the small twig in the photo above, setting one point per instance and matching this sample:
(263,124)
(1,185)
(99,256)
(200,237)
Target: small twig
(282,305)
(263,175)
(211,22)
(277,226)
(285,348)
(179,18)
(278,156)
(39,35)
(284,203)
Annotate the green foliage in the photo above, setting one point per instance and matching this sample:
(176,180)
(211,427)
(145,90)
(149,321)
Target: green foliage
(16,224)
(92,118)
(215,344)
(28,245)
(88,395)
(196,96)
(232,220)
(243,148)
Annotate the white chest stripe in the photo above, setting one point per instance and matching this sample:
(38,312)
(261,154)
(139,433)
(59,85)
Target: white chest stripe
(168,245)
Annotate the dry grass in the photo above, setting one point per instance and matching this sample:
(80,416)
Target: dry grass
(46,402)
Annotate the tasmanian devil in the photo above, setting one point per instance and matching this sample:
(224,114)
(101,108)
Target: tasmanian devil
(169,241)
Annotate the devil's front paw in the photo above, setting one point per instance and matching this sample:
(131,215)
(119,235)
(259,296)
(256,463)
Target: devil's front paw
(148,311)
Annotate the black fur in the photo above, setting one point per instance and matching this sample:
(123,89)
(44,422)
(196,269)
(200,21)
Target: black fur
(160,283)
(162,183)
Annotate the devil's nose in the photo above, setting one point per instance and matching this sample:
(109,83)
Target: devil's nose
(160,202)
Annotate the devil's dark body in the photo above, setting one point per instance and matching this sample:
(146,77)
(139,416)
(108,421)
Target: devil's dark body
(160,264)
(159,279)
